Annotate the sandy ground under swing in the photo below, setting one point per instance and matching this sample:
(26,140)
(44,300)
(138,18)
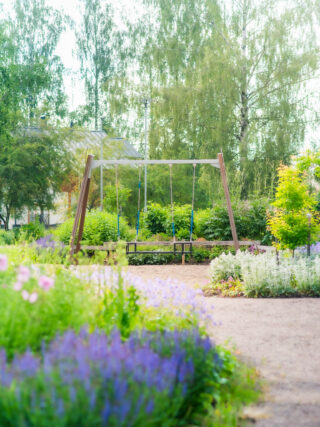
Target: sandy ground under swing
(281,337)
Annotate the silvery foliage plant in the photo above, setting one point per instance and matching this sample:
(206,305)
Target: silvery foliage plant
(281,275)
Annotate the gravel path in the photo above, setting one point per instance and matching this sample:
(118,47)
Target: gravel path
(281,337)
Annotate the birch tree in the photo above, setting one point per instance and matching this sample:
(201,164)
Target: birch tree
(99,46)
(35,30)
(233,78)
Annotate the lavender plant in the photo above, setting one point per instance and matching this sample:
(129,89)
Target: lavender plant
(94,380)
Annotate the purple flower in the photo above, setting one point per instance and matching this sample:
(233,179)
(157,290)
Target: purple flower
(116,379)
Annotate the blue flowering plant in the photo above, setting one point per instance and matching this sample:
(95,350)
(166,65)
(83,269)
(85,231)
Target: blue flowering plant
(83,379)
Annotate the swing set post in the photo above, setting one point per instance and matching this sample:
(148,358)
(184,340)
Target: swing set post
(227,196)
(76,235)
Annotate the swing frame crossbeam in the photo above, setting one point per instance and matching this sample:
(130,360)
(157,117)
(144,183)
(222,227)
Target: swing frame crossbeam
(91,164)
(98,163)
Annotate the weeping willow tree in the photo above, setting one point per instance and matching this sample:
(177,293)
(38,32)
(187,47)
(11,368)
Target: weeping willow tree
(234,79)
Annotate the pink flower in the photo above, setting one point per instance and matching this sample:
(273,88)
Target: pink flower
(3,262)
(45,282)
(33,297)
(25,295)
(17,286)
(23,274)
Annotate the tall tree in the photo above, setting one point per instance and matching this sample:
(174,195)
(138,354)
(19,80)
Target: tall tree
(32,169)
(234,79)
(99,47)
(36,29)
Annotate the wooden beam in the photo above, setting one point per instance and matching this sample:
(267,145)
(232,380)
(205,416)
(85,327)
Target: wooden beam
(227,196)
(83,215)
(212,162)
(83,189)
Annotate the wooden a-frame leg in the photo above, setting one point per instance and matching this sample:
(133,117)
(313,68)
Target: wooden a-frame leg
(83,215)
(227,196)
(81,207)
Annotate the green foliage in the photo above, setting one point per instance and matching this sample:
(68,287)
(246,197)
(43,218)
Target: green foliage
(250,219)
(99,227)
(119,307)
(243,388)
(42,77)
(309,162)
(292,193)
(31,231)
(289,223)
(32,169)
(182,219)
(200,254)
(100,46)
(155,217)
(7,237)
(218,250)
(64,306)
(142,259)
(110,197)
(226,77)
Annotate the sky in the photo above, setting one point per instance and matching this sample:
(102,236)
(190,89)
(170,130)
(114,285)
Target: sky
(74,85)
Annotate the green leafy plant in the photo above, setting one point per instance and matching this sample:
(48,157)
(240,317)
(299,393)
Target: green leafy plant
(7,237)
(155,218)
(99,227)
(31,231)
(110,197)
(182,218)
(289,223)
(227,288)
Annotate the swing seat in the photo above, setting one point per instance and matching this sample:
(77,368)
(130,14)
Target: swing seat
(179,248)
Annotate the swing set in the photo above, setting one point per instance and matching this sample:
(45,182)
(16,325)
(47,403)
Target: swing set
(179,247)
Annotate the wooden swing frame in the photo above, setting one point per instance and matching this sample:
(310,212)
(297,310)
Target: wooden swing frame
(79,220)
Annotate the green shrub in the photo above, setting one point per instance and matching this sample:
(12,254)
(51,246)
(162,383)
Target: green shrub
(289,223)
(99,227)
(7,237)
(155,218)
(200,254)
(31,231)
(250,219)
(182,218)
(184,234)
(151,259)
(216,251)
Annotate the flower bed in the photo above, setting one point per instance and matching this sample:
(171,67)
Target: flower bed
(267,275)
(102,348)
(93,379)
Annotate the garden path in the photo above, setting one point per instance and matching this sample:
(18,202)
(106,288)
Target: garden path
(281,337)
